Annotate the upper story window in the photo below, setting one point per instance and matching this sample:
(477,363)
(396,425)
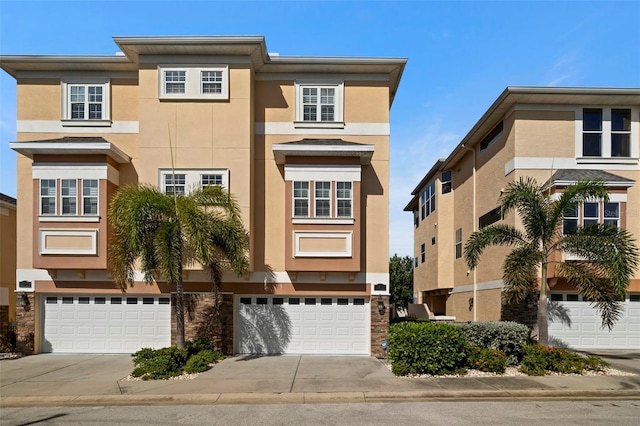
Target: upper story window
(492,136)
(182,181)
(85,102)
(445,180)
(423,252)
(300,199)
(458,243)
(319,104)
(428,200)
(67,198)
(591,213)
(606,133)
(193,82)
(323,199)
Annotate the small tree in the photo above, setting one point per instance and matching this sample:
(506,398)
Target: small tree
(608,255)
(167,232)
(401,280)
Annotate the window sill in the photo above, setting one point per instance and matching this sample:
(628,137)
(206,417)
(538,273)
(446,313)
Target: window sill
(607,160)
(323,221)
(318,124)
(86,123)
(187,97)
(77,219)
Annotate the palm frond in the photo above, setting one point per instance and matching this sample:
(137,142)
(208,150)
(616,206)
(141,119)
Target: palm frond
(491,235)
(527,198)
(168,249)
(520,271)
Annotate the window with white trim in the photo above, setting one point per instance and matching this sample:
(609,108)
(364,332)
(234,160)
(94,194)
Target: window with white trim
(458,243)
(69,196)
(428,200)
(319,103)
(186,180)
(48,197)
(445,181)
(90,197)
(193,82)
(607,133)
(85,101)
(322,199)
(591,213)
(344,197)
(300,199)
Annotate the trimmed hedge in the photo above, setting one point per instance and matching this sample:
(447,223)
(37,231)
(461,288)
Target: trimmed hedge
(170,362)
(506,336)
(426,348)
(540,360)
(491,360)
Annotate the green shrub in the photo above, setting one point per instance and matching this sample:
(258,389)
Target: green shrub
(491,360)
(506,336)
(199,362)
(426,348)
(540,360)
(198,345)
(159,364)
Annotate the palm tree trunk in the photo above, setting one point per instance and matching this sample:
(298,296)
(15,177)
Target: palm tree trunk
(543,323)
(180,311)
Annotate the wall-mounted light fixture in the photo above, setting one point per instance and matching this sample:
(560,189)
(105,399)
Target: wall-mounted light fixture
(470,303)
(23,301)
(381,307)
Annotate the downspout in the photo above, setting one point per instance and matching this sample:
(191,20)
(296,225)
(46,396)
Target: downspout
(475,228)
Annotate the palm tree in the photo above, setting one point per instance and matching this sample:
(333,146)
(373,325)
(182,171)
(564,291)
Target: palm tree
(607,256)
(167,232)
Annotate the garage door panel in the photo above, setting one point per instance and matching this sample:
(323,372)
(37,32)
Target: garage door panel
(584,331)
(100,324)
(308,325)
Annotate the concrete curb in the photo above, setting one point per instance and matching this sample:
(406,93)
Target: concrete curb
(311,397)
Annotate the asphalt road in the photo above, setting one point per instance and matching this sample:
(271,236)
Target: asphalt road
(546,413)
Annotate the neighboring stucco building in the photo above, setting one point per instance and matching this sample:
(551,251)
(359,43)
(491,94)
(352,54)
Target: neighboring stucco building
(8,220)
(303,144)
(557,136)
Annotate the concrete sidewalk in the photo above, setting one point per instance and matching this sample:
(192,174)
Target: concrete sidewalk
(53,380)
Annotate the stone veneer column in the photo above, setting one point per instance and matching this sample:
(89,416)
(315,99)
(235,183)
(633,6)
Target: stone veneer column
(202,320)
(26,326)
(379,326)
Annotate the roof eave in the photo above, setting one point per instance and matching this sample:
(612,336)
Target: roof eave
(29,149)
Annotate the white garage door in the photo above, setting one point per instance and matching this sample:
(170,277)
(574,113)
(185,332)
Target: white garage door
(302,325)
(574,323)
(105,323)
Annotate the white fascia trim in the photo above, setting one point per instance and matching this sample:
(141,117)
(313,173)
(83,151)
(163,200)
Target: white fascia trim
(607,161)
(487,285)
(93,233)
(350,129)
(278,76)
(77,126)
(322,221)
(69,171)
(347,236)
(614,198)
(79,76)
(283,147)
(338,173)
(175,61)
(551,163)
(319,124)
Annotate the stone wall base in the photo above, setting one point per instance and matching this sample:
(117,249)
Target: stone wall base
(379,326)
(26,326)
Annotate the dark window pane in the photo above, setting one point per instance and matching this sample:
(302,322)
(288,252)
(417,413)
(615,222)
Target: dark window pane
(83,300)
(325,301)
(164,301)
(592,119)
(67,300)
(359,302)
(591,209)
(261,301)
(99,300)
(147,300)
(343,302)
(278,300)
(309,300)
(132,300)
(116,300)
(634,298)
(489,218)
(245,300)
(52,300)
(620,145)
(611,210)
(591,146)
(621,120)
(492,136)
(569,226)
(294,301)
(572,298)
(556,297)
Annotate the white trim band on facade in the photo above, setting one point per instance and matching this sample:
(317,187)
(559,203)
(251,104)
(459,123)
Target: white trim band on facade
(614,198)
(75,171)
(322,221)
(74,219)
(338,173)
(62,126)
(350,129)
(555,163)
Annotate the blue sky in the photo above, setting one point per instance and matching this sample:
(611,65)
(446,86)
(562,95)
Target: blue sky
(461,56)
